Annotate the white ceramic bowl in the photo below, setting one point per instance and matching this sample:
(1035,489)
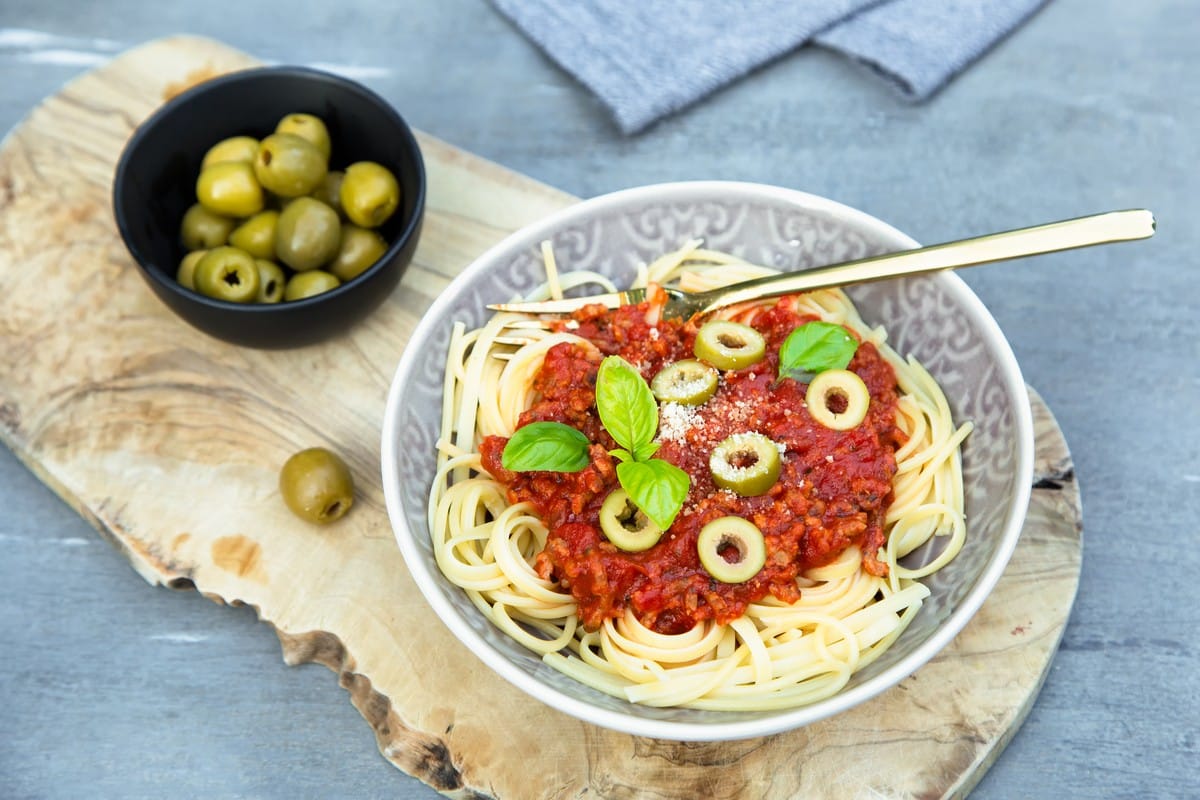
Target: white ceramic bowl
(936,318)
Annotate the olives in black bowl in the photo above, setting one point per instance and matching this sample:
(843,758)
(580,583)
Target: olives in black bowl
(156,183)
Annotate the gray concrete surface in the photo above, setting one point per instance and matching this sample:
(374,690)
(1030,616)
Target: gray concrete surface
(109,688)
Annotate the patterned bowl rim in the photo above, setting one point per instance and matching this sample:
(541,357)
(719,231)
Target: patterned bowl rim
(430,581)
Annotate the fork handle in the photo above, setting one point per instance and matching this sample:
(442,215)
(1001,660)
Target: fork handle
(1113,226)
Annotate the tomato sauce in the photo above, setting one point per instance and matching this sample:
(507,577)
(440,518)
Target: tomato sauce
(833,491)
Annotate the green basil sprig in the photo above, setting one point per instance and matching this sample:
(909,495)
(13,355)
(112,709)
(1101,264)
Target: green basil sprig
(629,413)
(815,347)
(550,446)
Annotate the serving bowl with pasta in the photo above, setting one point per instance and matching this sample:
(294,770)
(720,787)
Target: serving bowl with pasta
(713,528)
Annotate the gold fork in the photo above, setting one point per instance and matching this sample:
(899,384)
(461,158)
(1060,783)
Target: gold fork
(1112,226)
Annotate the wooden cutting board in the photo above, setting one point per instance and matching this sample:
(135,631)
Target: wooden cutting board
(170,442)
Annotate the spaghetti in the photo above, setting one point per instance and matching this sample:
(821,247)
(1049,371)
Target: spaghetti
(793,634)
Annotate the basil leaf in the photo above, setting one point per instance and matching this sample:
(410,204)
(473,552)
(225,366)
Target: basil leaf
(626,405)
(645,451)
(815,347)
(657,487)
(549,446)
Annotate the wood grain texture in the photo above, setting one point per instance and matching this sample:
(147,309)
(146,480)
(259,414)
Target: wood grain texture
(169,442)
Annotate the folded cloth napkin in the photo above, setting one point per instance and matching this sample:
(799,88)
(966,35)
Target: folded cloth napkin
(646,59)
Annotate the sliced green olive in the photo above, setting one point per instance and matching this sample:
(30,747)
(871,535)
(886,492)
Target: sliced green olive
(729,345)
(227,273)
(271,281)
(625,525)
(731,549)
(838,399)
(687,382)
(746,463)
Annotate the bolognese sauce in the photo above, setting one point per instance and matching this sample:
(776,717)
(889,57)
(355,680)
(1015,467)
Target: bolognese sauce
(833,491)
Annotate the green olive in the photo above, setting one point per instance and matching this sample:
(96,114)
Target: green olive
(746,463)
(186,274)
(731,549)
(307,284)
(227,273)
(317,485)
(201,229)
(370,194)
(307,234)
(625,525)
(271,281)
(230,188)
(330,190)
(687,382)
(729,345)
(309,127)
(235,148)
(257,235)
(360,248)
(838,399)
(288,165)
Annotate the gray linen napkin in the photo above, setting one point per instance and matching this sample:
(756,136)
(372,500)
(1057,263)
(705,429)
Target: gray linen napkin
(646,59)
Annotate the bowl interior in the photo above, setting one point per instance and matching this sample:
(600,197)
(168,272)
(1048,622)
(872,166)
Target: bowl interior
(937,319)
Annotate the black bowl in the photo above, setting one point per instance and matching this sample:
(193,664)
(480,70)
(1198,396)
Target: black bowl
(155,183)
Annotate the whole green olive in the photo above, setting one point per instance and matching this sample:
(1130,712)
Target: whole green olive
(201,229)
(308,284)
(227,273)
(307,126)
(289,165)
(230,189)
(370,194)
(330,190)
(256,235)
(271,281)
(317,485)
(360,248)
(307,234)
(186,274)
(235,148)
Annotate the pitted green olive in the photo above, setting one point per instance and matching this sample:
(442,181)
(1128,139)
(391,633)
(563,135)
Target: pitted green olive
(186,274)
(271,281)
(731,549)
(230,189)
(309,127)
(307,234)
(317,485)
(289,165)
(257,235)
(746,463)
(202,229)
(235,148)
(369,193)
(686,382)
(729,345)
(838,399)
(227,273)
(308,284)
(359,249)
(625,525)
